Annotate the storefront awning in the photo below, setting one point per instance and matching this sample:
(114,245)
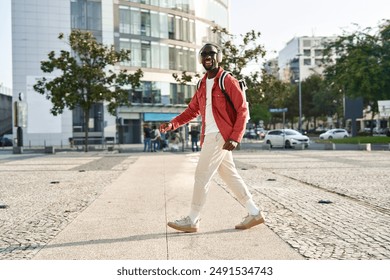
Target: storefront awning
(159,117)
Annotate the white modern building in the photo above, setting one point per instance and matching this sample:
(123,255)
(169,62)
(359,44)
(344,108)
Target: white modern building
(302,57)
(163,35)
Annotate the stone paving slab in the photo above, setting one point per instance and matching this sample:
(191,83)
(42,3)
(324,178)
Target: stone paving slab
(128,221)
(287,184)
(355,225)
(41,202)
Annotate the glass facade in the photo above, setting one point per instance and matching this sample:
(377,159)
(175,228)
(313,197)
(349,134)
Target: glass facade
(96,119)
(87,15)
(151,93)
(138,32)
(163,36)
(186,6)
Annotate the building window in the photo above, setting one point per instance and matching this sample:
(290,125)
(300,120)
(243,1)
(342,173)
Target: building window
(136,96)
(187,6)
(178,28)
(172,57)
(185,30)
(171,27)
(318,52)
(164,54)
(155,21)
(307,53)
(307,61)
(147,93)
(145,54)
(155,24)
(87,15)
(306,43)
(319,62)
(145,23)
(191,31)
(135,21)
(181,94)
(95,122)
(124,20)
(125,44)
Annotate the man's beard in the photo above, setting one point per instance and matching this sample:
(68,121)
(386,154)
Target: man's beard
(212,66)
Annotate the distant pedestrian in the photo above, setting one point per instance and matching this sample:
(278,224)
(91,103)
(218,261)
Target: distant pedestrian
(194,138)
(174,140)
(223,126)
(147,138)
(156,139)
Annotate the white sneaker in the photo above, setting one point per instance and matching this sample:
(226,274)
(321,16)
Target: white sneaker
(251,221)
(185,224)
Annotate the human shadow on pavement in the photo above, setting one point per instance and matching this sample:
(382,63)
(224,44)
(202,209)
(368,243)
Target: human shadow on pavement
(140,237)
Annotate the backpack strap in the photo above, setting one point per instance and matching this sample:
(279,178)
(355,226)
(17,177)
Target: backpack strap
(221,84)
(198,84)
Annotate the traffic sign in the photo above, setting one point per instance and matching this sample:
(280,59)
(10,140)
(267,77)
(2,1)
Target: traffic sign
(278,110)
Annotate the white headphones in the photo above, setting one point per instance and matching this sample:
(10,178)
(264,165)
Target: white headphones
(219,53)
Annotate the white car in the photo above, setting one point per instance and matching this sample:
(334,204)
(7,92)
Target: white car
(288,138)
(336,133)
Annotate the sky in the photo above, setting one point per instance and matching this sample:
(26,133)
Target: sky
(278,21)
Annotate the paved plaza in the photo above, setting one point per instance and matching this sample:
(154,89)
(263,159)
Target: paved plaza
(317,204)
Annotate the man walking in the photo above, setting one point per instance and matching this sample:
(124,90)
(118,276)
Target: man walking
(222,129)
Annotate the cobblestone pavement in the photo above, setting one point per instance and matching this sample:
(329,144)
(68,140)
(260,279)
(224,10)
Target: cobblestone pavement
(43,194)
(326,205)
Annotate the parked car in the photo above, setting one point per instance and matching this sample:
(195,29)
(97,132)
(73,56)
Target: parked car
(4,141)
(288,138)
(386,131)
(336,133)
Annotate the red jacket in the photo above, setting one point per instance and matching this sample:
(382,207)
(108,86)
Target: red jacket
(231,122)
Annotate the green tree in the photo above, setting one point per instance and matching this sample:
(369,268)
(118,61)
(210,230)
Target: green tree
(362,64)
(319,100)
(274,94)
(85,76)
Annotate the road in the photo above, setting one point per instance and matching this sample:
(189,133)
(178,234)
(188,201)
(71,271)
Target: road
(258,145)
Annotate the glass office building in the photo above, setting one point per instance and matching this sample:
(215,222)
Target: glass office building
(164,37)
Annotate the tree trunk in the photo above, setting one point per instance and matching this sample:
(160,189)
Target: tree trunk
(86,125)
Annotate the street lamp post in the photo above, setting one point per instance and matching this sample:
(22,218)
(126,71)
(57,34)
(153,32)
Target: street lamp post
(300,103)
(299,93)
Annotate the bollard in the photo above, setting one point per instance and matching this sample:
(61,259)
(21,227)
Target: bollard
(266,147)
(17,150)
(299,147)
(330,146)
(50,150)
(365,147)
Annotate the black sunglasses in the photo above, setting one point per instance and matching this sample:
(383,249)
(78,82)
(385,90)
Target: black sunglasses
(205,54)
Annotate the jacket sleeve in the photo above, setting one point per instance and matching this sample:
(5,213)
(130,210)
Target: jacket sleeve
(238,99)
(191,112)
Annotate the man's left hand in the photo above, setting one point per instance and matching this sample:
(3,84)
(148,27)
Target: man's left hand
(230,145)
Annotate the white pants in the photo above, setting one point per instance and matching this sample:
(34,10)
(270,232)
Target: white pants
(212,159)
